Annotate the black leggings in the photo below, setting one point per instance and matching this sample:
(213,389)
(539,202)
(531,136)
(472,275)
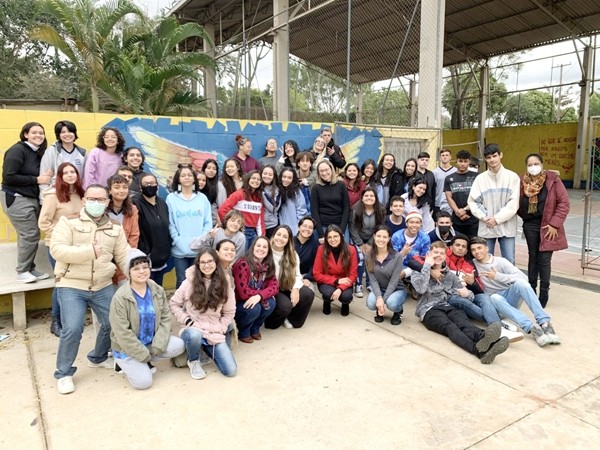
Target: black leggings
(327,290)
(284,309)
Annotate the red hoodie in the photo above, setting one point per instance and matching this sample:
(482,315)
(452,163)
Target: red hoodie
(459,265)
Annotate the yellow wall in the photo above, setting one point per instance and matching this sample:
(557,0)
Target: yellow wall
(555,142)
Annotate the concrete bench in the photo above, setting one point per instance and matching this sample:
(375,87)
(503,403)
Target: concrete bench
(10,285)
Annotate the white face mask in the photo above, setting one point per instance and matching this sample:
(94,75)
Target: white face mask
(534,170)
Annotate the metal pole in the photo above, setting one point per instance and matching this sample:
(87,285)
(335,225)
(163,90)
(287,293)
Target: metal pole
(348,62)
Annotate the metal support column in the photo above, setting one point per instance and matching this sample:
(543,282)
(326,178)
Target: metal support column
(412,103)
(584,109)
(359,105)
(210,78)
(281,50)
(430,63)
(484,83)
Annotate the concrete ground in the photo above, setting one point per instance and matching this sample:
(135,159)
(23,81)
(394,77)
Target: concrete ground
(335,383)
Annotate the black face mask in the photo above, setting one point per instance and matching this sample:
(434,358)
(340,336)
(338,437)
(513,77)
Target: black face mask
(444,229)
(149,191)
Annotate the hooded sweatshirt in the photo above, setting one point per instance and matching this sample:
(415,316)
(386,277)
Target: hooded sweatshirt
(188,219)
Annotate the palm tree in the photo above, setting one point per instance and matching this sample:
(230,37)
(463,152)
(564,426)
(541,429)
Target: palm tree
(85,28)
(146,74)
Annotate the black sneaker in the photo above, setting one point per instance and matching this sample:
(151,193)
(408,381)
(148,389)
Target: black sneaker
(326,307)
(491,334)
(397,318)
(378,318)
(345,309)
(498,347)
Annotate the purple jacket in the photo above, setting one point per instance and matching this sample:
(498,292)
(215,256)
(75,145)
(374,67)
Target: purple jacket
(247,164)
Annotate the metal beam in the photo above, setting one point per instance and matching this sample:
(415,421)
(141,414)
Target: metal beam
(584,110)
(484,80)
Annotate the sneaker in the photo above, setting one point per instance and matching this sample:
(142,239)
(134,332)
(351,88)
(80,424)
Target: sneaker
(204,359)
(397,318)
(378,318)
(65,385)
(549,331)
(196,370)
(287,324)
(108,363)
(26,277)
(345,309)
(540,337)
(509,325)
(39,275)
(491,335)
(118,368)
(152,368)
(369,288)
(358,290)
(498,347)
(513,336)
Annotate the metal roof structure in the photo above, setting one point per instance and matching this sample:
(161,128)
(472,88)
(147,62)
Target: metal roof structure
(380,29)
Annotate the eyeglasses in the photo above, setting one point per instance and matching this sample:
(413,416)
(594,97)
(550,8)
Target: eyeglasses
(208,262)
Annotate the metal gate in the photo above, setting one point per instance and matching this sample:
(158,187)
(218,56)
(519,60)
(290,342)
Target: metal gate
(590,249)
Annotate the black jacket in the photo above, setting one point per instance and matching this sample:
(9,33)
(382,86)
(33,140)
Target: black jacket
(21,169)
(155,238)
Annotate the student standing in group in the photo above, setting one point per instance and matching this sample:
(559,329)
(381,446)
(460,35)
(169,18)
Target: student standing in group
(293,205)
(233,222)
(271,198)
(21,179)
(335,270)
(140,323)
(333,151)
(63,150)
(153,221)
(384,268)
(293,302)
(270,157)
(457,187)
(248,201)
(134,159)
(425,173)
(103,160)
(84,249)
(231,180)
(409,171)
(189,217)
(255,288)
(307,175)
(544,207)
(395,221)
(494,200)
(204,306)
(388,176)
(329,201)
(368,172)
(440,173)
(415,200)
(244,148)
(288,158)
(65,199)
(353,183)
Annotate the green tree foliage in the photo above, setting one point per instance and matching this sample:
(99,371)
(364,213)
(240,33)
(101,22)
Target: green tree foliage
(84,27)
(595,104)
(535,107)
(395,111)
(145,74)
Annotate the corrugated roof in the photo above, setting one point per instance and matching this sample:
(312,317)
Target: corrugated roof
(474,29)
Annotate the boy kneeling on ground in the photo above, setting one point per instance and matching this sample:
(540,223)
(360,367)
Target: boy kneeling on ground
(437,315)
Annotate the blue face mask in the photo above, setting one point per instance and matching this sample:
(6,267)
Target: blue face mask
(94,208)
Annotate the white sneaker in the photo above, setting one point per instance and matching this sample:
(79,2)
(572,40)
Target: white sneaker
(65,385)
(39,275)
(26,277)
(287,324)
(513,336)
(108,363)
(358,291)
(196,370)
(509,325)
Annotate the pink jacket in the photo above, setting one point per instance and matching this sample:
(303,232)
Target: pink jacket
(556,210)
(213,322)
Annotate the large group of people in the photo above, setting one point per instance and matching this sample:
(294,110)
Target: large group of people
(249,240)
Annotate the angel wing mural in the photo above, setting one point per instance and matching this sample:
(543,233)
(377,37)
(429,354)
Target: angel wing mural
(163,155)
(351,149)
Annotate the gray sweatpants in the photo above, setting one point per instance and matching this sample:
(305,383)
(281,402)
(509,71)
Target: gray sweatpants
(138,373)
(24,214)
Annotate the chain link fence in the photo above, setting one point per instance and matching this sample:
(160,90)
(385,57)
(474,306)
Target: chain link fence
(590,249)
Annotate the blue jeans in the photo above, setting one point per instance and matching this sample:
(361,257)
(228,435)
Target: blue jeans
(394,302)
(507,303)
(181,265)
(250,320)
(480,308)
(507,247)
(55,305)
(250,234)
(220,353)
(73,305)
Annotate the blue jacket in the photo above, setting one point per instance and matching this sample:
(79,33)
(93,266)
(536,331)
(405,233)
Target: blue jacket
(188,219)
(420,245)
(292,211)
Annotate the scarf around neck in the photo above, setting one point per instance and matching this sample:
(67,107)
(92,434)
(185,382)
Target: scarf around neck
(531,188)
